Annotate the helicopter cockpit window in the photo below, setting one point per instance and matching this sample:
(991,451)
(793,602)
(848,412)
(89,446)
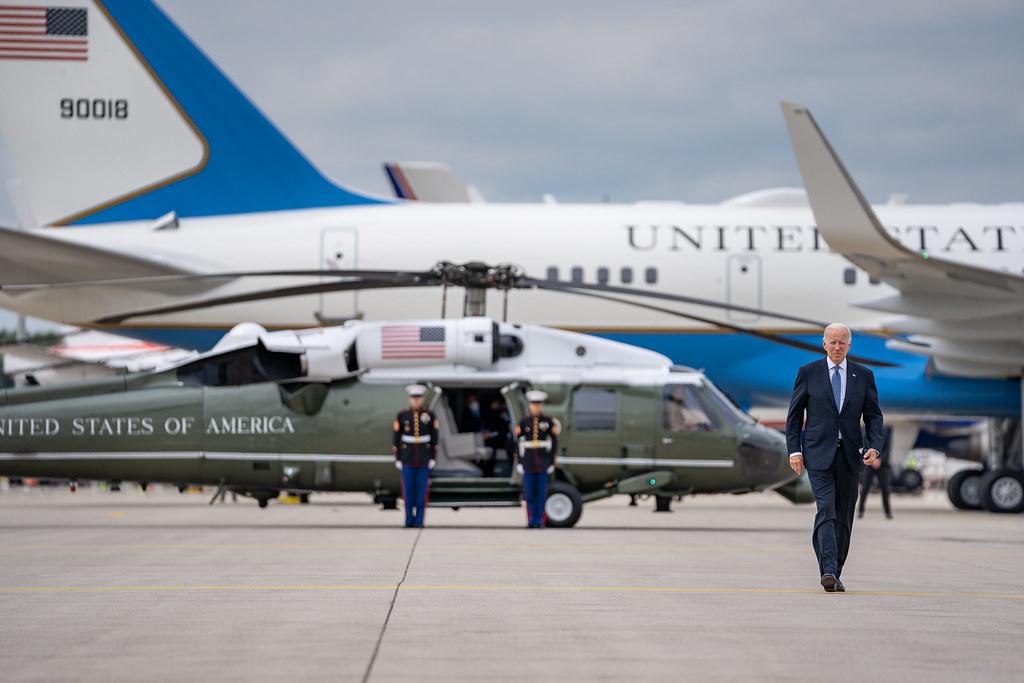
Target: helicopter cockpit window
(686,410)
(726,406)
(595,409)
(244,366)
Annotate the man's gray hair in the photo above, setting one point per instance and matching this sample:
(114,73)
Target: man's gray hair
(837,326)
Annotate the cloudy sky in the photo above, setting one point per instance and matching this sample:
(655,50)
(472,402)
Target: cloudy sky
(636,100)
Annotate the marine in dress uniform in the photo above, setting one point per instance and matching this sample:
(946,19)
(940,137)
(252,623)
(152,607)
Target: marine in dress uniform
(538,443)
(415,449)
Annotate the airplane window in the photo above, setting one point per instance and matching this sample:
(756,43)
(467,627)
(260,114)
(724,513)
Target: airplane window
(602,275)
(850,276)
(685,411)
(553,273)
(577,274)
(651,275)
(595,409)
(626,275)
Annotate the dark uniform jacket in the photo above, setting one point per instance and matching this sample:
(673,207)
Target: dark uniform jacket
(537,443)
(415,439)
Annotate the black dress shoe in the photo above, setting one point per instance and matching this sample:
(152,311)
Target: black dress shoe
(840,588)
(828,582)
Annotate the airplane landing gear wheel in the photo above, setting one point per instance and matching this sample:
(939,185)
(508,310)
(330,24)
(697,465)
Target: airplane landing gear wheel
(964,490)
(1002,490)
(564,505)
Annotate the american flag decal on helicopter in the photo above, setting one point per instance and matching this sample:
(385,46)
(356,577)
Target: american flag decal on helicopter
(412,342)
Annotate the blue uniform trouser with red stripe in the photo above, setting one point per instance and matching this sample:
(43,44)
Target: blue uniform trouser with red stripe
(415,485)
(535,493)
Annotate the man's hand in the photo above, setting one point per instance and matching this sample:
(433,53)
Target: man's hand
(520,469)
(871,457)
(796,463)
(551,469)
(431,464)
(398,464)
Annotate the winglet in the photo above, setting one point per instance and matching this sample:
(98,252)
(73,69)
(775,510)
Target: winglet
(844,217)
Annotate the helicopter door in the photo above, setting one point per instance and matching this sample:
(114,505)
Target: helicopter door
(743,284)
(592,439)
(338,251)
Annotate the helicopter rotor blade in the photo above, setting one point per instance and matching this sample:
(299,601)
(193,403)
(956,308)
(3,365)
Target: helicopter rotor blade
(556,285)
(266,294)
(200,277)
(768,336)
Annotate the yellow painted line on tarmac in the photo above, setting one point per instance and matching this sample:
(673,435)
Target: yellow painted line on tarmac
(499,588)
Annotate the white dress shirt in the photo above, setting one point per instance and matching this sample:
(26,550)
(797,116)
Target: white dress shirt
(842,380)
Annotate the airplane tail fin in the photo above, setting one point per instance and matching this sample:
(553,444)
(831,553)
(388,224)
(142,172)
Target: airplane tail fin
(111,113)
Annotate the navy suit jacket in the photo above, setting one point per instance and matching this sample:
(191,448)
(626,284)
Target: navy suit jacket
(812,396)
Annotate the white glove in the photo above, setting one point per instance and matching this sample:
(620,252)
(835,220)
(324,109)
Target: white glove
(432,463)
(520,469)
(551,469)
(398,464)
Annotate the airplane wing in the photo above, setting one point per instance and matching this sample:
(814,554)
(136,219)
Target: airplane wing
(31,256)
(428,181)
(968,320)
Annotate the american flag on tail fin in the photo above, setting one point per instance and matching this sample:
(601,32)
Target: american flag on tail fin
(31,32)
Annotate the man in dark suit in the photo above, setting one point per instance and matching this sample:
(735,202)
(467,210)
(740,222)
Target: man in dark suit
(834,394)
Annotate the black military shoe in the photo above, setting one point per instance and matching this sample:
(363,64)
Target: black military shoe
(828,582)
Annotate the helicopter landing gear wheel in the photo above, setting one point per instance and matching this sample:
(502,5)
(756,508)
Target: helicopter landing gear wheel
(663,503)
(564,505)
(964,489)
(1002,490)
(388,502)
(262,502)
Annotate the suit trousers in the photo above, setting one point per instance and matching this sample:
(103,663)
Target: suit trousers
(835,493)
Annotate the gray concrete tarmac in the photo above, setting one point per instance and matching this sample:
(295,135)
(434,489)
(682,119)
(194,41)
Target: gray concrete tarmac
(160,586)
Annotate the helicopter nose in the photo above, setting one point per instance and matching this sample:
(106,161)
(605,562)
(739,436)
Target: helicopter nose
(765,458)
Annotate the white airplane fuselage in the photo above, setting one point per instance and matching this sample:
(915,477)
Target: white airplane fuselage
(770,258)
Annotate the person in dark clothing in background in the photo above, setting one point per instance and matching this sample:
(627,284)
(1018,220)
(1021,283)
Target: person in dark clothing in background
(878,470)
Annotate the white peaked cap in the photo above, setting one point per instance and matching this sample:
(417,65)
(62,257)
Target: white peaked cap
(536,396)
(415,390)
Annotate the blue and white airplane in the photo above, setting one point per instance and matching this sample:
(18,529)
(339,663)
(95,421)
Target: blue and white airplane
(140,170)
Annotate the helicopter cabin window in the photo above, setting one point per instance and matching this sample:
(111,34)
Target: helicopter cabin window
(577,274)
(553,273)
(626,275)
(595,410)
(602,275)
(243,366)
(651,275)
(850,276)
(685,410)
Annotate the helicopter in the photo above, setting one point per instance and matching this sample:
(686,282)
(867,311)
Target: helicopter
(310,410)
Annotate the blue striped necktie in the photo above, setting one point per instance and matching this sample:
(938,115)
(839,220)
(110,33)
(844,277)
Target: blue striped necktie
(837,388)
